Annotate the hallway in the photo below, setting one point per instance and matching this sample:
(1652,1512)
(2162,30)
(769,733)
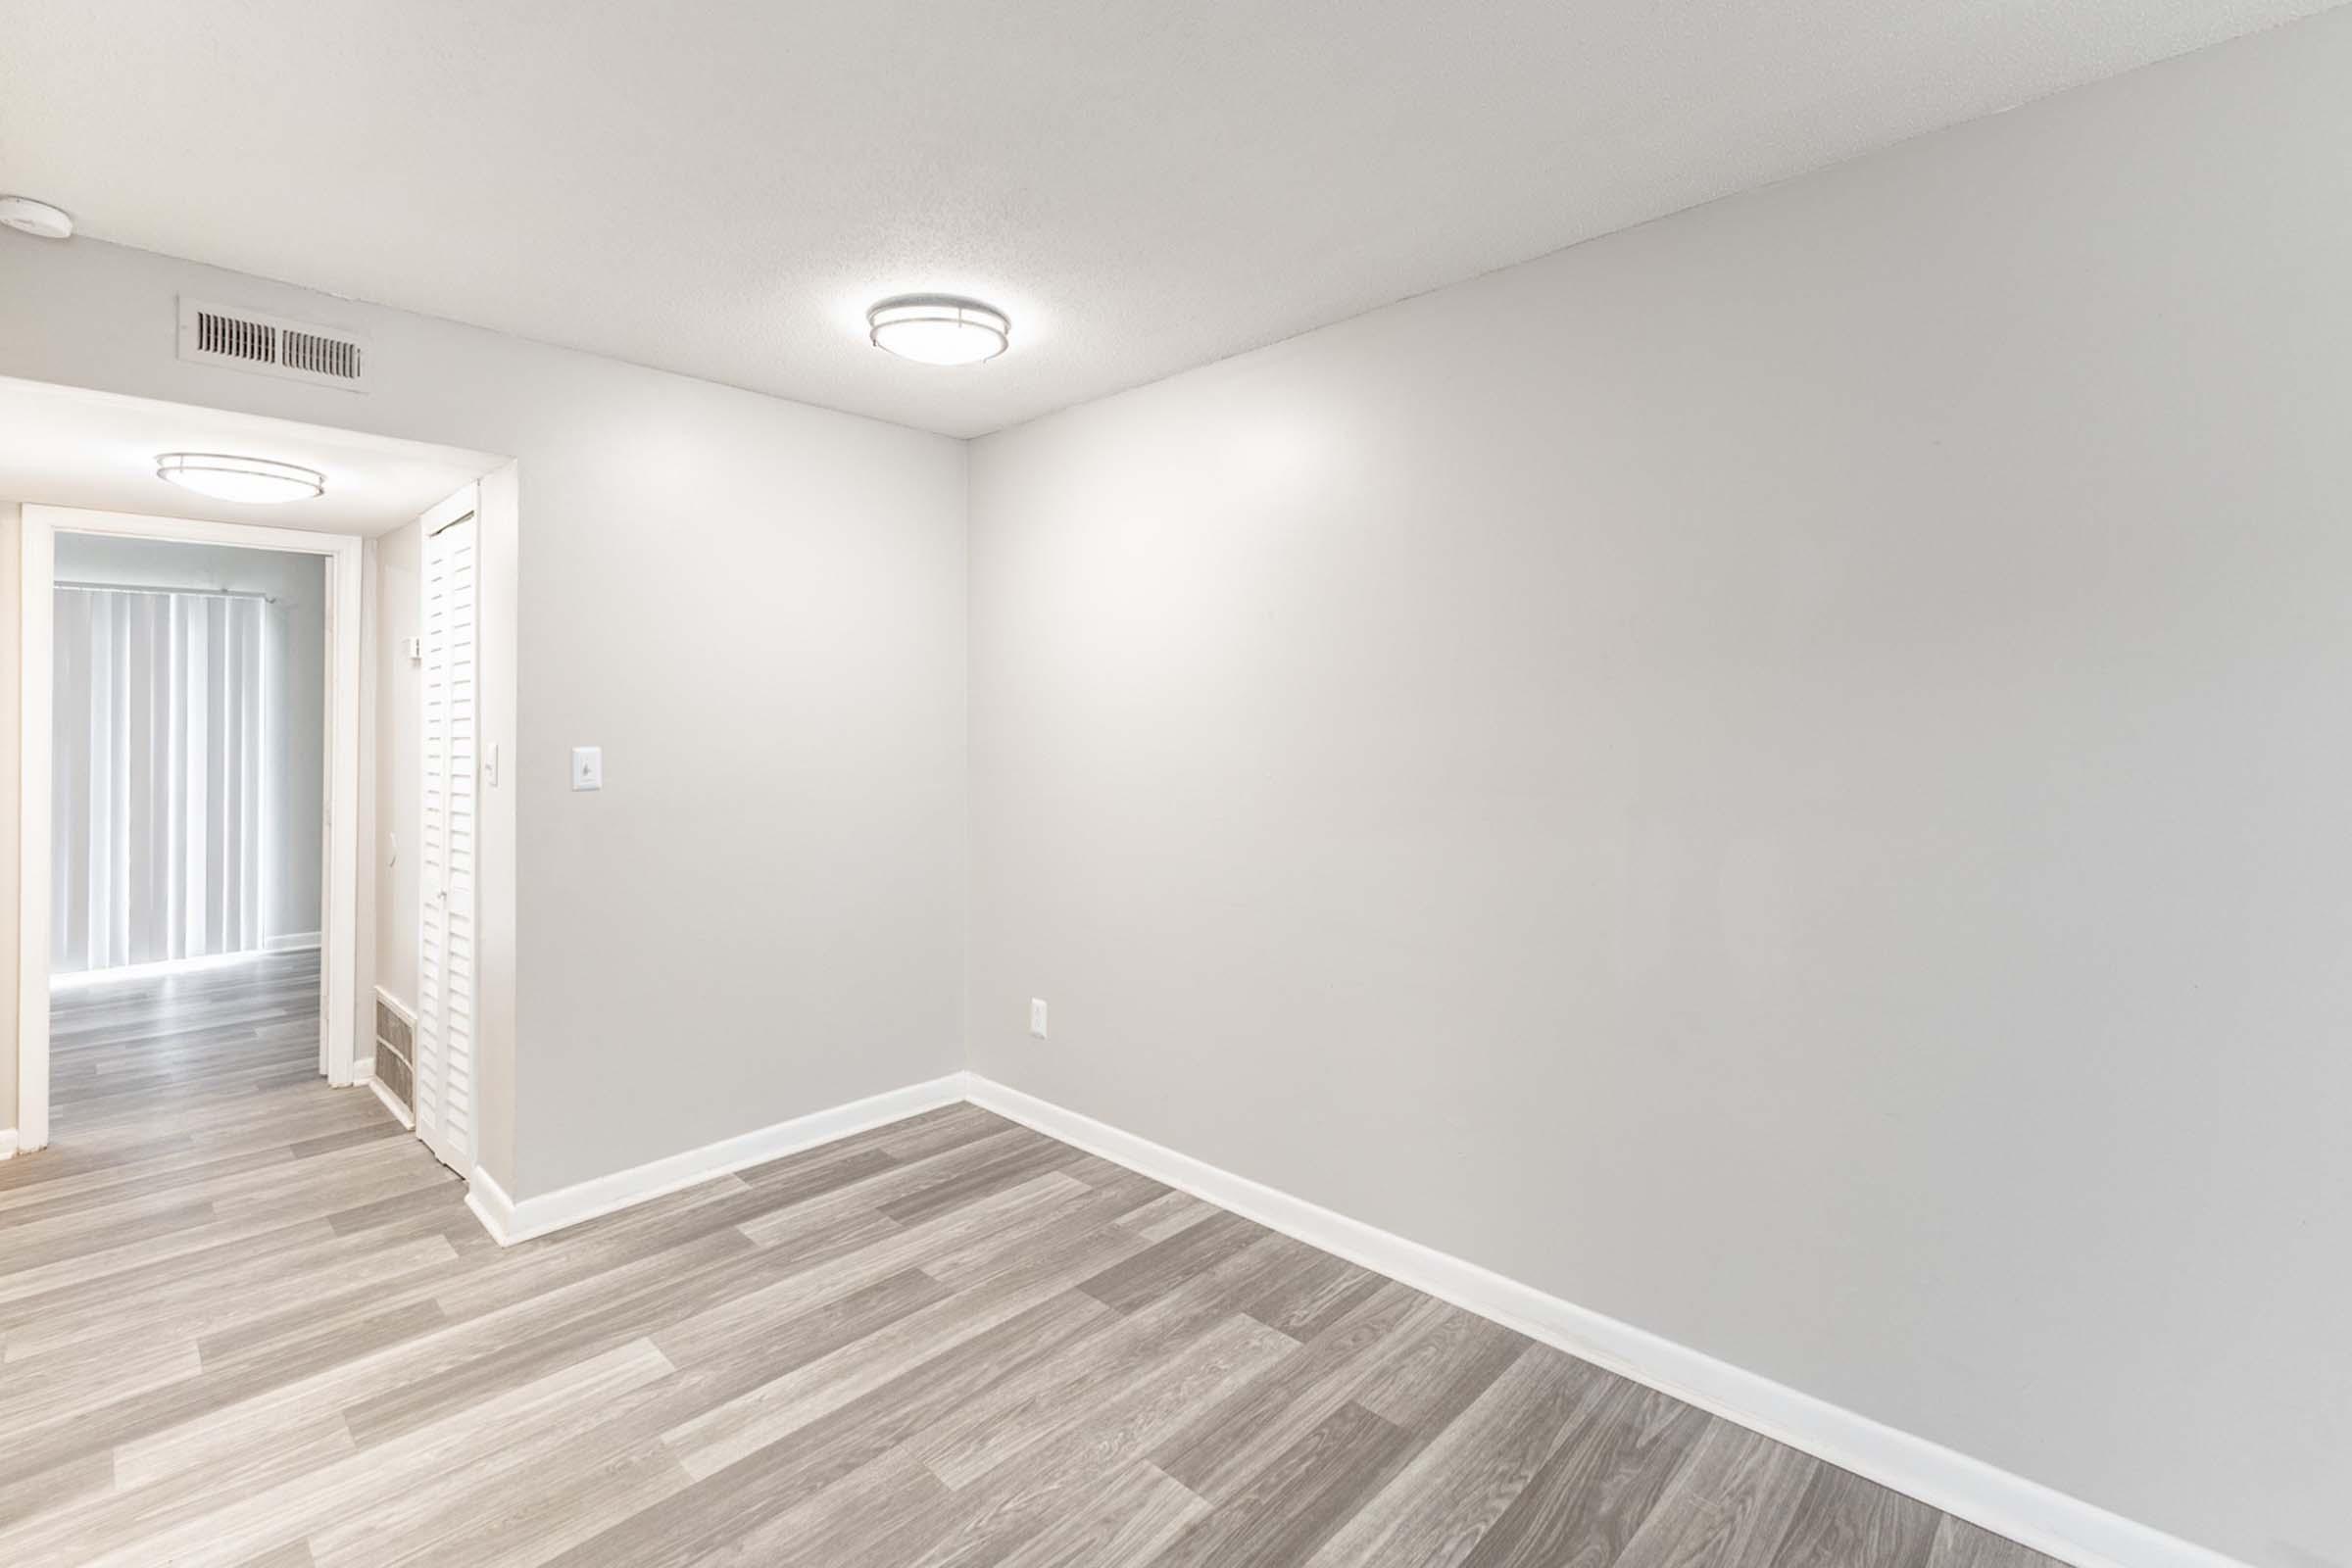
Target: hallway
(125,1053)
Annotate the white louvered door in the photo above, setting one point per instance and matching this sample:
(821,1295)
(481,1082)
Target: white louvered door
(447,834)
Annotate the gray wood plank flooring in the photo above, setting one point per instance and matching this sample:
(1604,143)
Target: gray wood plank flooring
(246,1319)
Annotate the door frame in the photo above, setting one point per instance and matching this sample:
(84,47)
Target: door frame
(338,904)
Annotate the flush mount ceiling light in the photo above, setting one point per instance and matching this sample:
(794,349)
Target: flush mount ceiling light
(27,216)
(939,329)
(229,478)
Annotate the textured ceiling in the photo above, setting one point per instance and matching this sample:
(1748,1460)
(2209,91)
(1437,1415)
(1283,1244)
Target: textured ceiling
(720,188)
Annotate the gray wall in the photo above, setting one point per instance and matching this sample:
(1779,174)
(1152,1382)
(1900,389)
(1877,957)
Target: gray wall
(1781,775)
(294,657)
(755,607)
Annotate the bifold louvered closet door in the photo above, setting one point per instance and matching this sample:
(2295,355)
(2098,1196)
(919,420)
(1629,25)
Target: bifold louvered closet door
(446,947)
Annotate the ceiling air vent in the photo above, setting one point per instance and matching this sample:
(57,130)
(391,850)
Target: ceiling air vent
(271,345)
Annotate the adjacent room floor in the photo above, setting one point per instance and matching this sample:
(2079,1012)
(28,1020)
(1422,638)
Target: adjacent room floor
(246,1319)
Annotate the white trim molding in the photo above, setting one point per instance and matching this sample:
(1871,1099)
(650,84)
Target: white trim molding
(400,1113)
(149,971)
(493,1208)
(8,1141)
(2010,1505)
(509,1220)
(293,942)
(36,626)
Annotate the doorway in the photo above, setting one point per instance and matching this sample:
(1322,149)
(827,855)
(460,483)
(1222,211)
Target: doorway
(145,855)
(188,768)
(79,461)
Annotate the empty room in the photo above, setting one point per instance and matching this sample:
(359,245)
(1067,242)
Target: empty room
(1221,786)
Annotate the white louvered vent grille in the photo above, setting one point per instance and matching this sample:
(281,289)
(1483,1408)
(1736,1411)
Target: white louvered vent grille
(269,345)
(321,355)
(236,339)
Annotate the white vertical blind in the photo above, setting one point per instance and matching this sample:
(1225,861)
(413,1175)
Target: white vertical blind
(157,810)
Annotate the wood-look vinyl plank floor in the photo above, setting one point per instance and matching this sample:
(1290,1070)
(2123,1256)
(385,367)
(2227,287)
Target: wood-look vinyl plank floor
(246,1319)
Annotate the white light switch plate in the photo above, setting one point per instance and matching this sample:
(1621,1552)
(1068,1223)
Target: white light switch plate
(1036,1017)
(587,767)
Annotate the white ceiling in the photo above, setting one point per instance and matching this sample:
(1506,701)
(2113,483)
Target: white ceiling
(720,188)
(65,447)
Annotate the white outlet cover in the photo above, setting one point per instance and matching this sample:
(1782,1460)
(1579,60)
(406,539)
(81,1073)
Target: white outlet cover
(1036,1017)
(587,767)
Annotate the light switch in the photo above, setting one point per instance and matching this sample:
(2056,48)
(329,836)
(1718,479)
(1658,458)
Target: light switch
(587,767)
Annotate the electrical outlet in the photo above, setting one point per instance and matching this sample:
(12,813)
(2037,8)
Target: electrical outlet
(1036,1017)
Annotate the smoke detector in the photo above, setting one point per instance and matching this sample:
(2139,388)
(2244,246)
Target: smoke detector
(28,216)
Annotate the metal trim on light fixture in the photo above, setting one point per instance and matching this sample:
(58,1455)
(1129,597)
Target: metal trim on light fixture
(939,309)
(191,470)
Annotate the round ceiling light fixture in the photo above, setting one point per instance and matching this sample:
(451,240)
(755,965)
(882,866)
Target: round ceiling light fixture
(939,329)
(259,481)
(38,219)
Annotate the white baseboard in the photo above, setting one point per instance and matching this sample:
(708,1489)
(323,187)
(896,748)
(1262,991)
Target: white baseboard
(291,942)
(400,1113)
(2025,1512)
(492,1207)
(509,1220)
(149,971)
(8,1141)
